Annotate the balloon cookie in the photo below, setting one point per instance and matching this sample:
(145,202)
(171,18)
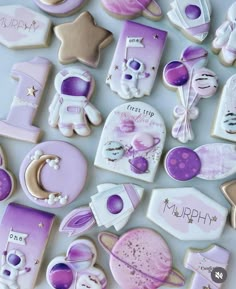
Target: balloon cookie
(70,108)
(53,174)
(128,9)
(209,267)
(22,28)
(213,161)
(77,269)
(229,191)
(140,259)
(60,8)
(82,40)
(132,141)
(132,74)
(192,17)
(224,43)
(193,81)
(111,206)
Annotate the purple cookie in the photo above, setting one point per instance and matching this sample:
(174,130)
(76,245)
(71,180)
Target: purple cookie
(182,164)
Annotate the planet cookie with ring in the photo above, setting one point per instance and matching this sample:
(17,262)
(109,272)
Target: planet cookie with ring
(53,174)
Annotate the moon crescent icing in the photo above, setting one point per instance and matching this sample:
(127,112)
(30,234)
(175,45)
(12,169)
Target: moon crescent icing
(33,180)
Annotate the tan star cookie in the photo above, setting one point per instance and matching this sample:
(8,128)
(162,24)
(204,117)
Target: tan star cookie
(82,40)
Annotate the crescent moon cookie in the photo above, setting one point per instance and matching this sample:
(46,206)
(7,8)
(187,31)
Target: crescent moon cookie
(128,9)
(192,17)
(77,269)
(132,141)
(82,40)
(32,77)
(132,74)
(70,108)
(60,8)
(49,174)
(193,82)
(224,43)
(140,259)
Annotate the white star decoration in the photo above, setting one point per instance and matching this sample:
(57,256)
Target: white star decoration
(31,91)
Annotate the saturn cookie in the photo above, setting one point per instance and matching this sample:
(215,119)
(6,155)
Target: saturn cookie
(53,174)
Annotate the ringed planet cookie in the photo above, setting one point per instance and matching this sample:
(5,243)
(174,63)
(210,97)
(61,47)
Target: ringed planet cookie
(53,174)
(140,259)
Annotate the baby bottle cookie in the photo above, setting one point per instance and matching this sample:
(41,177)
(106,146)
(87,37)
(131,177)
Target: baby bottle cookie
(132,141)
(132,73)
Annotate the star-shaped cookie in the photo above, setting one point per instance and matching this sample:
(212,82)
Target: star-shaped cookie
(82,40)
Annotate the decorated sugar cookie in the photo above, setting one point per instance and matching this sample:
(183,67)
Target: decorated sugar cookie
(229,191)
(193,81)
(111,206)
(224,43)
(77,269)
(24,234)
(53,174)
(22,28)
(32,77)
(71,109)
(132,73)
(140,259)
(127,9)
(209,267)
(192,17)
(187,214)
(132,141)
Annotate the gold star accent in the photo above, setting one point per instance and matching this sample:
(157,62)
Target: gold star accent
(82,40)
(116,67)
(41,225)
(36,262)
(214,219)
(166,201)
(206,287)
(109,77)
(176,214)
(31,91)
(190,221)
(155,36)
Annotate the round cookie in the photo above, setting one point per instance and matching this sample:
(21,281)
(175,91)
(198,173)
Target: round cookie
(53,174)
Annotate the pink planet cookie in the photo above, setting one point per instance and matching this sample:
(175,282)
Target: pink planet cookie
(140,259)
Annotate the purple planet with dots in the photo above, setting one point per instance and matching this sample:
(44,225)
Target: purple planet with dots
(193,11)
(5,185)
(61,276)
(176,73)
(139,165)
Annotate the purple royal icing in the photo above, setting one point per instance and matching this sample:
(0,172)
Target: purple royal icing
(139,165)
(5,185)
(61,276)
(115,204)
(193,12)
(176,73)
(75,86)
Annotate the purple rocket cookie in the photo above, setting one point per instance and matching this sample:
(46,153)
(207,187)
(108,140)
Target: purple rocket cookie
(140,259)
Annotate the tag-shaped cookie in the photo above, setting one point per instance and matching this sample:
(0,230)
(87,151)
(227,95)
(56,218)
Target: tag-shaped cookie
(132,141)
(132,74)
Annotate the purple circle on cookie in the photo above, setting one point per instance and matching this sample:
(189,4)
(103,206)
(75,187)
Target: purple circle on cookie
(193,11)
(176,73)
(115,204)
(182,164)
(5,185)
(61,276)
(139,165)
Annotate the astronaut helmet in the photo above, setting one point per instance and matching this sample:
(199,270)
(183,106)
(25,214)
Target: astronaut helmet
(135,65)
(232,12)
(74,82)
(16,259)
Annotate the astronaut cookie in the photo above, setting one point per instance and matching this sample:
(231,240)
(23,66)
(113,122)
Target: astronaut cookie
(192,17)
(24,234)
(111,206)
(132,141)
(132,73)
(127,9)
(140,259)
(193,81)
(32,77)
(77,269)
(61,8)
(225,38)
(53,174)
(71,109)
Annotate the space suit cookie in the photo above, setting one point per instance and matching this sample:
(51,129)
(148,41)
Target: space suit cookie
(132,74)
(24,234)
(140,259)
(214,161)
(192,17)
(82,40)
(53,174)
(209,267)
(77,269)
(224,124)
(111,206)
(128,9)
(193,82)
(187,214)
(22,28)
(60,8)
(229,190)
(224,43)
(71,109)
(132,141)
(32,77)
